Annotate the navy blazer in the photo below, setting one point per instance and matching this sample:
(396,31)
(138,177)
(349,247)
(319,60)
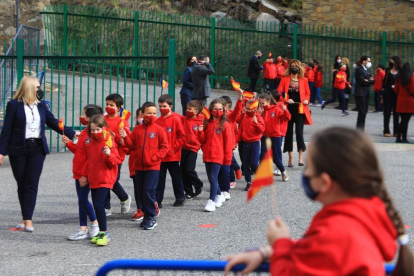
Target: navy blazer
(13,134)
(362,86)
(188,85)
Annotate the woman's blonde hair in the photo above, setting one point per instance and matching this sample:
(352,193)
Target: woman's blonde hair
(345,61)
(298,64)
(27,90)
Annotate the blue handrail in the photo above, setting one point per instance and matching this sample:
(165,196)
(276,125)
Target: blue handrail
(183,265)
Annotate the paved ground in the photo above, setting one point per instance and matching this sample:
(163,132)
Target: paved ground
(178,236)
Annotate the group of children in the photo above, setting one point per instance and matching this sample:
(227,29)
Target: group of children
(170,142)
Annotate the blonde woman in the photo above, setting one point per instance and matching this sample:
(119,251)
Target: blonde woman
(23,140)
(294,89)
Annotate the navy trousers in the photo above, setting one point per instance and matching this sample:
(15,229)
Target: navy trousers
(233,168)
(85,207)
(251,156)
(147,181)
(136,194)
(276,151)
(188,172)
(117,189)
(213,170)
(98,198)
(224,178)
(175,172)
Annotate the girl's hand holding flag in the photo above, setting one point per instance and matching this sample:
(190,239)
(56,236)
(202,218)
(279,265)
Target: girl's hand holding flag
(122,133)
(65,139)
(106,150)
(277,230)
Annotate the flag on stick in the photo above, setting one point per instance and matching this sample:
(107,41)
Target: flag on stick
(163,83)
(248,95)
(269,55)
(253,105)
(236,85)
(125,114)
(108,136)
(206,113)
(61,126)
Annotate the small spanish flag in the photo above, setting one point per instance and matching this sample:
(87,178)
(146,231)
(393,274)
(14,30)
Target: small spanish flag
(253,105)
(206,113)
(264,175)
(125,114)
(61,125)
(121,124)
(269,55)
(300,111)
(163,83)
(248,95)
(108,137)
(236,85)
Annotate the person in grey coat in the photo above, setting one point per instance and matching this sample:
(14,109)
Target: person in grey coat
(199,73)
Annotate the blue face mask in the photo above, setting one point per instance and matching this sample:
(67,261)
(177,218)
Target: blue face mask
(308,188)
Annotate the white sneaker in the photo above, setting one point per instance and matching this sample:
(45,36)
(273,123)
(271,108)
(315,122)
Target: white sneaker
(94,231)
(277,172)
(108,212)
(210,206)
(219,200)
(226,195)
(126,205)
(78,235)
(318,105)
(285,176)
(310,104)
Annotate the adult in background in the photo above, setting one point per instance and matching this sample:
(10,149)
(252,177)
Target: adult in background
(199,73)
(186,91)
(404,88)
(23,139)
(254,69)
(389,97)
(363,82)
(294,88)
(353,82)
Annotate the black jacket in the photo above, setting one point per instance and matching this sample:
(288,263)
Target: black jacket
(254,68)
(361,85)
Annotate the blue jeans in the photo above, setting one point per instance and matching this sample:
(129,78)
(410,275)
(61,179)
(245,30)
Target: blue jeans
(233,168)
(177,182)
(147,181)
(251,156)
(276,151)
(85,207)
(335,94)
(117,189)
(311,89)
(185,99)
(98,198)
(224,178)
(318,95)
(213,170)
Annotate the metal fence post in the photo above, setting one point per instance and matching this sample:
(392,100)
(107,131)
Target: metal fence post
(384,48)
(295,41)
(20,63)
(213,48)
(65,30)
(171,70)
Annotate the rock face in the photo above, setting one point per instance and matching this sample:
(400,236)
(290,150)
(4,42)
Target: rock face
(266,21)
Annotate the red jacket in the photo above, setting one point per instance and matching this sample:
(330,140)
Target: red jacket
(175,134)
(249,131)
(274,119)
(340,80)
(310,74)
(101,170)
(217,144)
(280,68)
(232,116)
(304,93)
(318,79)
(191,126)
(113,125)
(405,99)
(150,146)
(79,159)
(270,70)
(379,78)
(349,237)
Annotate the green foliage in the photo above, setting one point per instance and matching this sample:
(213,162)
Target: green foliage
(294,4)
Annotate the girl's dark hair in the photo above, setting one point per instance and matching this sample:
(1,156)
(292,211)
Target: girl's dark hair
(139,110)
(92,109)
(223,118)
(268,97)
(336,63)
(397,62)
(98,120)
(189,61)
(405,74)
(346,151)
(319,68)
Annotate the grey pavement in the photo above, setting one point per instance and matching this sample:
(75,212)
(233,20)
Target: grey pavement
(239,225)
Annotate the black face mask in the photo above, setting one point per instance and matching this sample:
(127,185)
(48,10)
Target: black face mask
(294,70)
(39,94)
(391,64)
(259,57)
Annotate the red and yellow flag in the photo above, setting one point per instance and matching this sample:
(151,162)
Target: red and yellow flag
(163,83)
(269,55)
(125,115)
(264,175)
(121,124)
(108,137)
(236,85)
(248,95)
(206,113)
(253,105)
(61,125)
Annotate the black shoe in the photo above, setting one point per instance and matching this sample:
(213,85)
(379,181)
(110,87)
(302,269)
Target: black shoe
(179,202)
(189,197)
(338,107)
(248,186)
(198,191)
(354,109)
(159,205)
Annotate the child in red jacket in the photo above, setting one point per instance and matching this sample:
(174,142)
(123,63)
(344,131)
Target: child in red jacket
(274,116)
(280,71)
(114,103)
(356,230)
(101,170)
(339,89)
(191,123)
(250,132)
(149,141)
(270,73)
(216,141)
(310,75)
(318,85)
(79,161)
(379,79)
(171,122)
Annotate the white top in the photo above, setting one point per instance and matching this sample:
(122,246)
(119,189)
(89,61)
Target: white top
(32,121)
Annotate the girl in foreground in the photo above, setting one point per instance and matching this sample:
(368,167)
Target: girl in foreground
(356,230)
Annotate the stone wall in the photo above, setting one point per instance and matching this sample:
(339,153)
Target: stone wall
(384,15)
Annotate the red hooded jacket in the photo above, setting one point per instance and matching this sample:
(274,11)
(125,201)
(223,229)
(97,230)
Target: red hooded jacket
(217,144)
(310,74)
(113,124)
(349,237)
(318,79)
(405,99)
(340,80)
(79,159)
(270,70)
(249,131)
(379,78)
(280,68)
(191,131)
(232,116)
(274,119)
(175,134)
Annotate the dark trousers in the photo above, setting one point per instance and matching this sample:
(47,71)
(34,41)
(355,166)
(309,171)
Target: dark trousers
(233,168)
(253,82)
(147,182)
(251,156)
(185,99)
(277,82)
(177,182)
(390,106)
(269,84)
(317,94)
(188,172)
(117,189)
(378,104)
(27,170)
(224,178)
(137,194)
(335,94)
(241,154)
(362,104)
(85,207)
(405,119)
(298,120)
(213,170)
(276,151)
(98,198)
(312,90)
